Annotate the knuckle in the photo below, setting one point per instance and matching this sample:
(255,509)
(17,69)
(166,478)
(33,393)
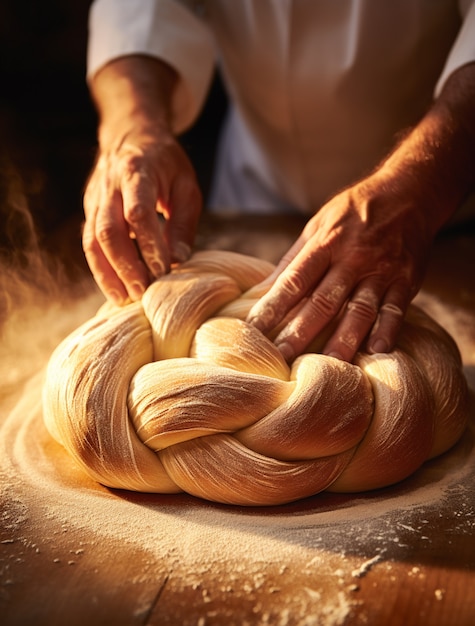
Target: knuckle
(363,308)
(294,283)
(124,268)
(266,316)
(385,267)
(349,340)
(132,165)
(135,213)
(296,331)
(106,234)
(327,303)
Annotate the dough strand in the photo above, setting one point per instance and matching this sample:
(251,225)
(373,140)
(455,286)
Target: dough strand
(178,393)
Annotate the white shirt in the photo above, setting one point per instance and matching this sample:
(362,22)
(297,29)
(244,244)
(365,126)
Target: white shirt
(319,89)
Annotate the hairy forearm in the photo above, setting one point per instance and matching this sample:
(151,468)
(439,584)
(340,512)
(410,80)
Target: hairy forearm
(437,158)
(132,90)
(140,170)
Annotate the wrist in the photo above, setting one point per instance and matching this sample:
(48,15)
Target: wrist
(133,94)
(433,166)
(435,160)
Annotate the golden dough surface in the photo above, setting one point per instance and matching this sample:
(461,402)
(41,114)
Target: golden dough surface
(178,393)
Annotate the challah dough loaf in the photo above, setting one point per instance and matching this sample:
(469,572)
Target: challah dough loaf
(178,393)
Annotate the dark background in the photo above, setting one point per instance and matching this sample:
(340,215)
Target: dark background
(47,120)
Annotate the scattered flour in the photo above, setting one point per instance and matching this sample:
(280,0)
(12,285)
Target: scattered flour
(308,557)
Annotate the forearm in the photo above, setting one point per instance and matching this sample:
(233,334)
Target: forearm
(132,91)
(437,158)
(141,169)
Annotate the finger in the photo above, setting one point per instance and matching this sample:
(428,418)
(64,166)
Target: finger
(106,278)
(184,213)
(112,234)
(139,196)
(294,283)
(321,307)
(390,319)
(288,257)
(358,318)
(264,286)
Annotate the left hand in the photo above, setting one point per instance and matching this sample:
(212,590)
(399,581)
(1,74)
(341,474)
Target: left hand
(362,259)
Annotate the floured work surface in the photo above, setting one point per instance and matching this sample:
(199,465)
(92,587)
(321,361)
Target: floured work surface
(74,552)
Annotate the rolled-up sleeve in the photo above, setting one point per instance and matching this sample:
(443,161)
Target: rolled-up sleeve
(164,29)
(463,50)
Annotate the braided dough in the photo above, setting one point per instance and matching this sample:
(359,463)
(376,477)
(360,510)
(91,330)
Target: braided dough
(178,393)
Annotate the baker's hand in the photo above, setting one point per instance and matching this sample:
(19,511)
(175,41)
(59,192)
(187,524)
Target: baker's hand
(360,259)
(126,244)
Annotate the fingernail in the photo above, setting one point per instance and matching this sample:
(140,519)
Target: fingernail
(116,298)
(380,345)
(136,291)
(286,350)
(254,321)
(335,355)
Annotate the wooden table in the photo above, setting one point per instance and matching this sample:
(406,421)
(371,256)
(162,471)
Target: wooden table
(73,552)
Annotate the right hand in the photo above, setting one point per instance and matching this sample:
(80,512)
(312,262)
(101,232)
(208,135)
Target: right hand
(141,170)
(124,241)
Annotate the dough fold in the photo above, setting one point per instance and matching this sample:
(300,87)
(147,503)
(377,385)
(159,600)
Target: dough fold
(178,393)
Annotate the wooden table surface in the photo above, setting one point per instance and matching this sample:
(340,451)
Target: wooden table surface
(73,552)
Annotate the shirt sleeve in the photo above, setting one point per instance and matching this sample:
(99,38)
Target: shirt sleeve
(463,50)
(164,29)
